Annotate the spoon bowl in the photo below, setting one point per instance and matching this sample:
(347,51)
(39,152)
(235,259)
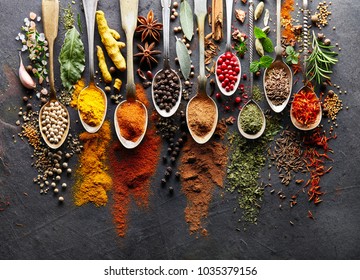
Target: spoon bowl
(306,88)
(301,126)
(127,143)
(234,58)
(129,11)
(278,63)
(166,25)
(251,101)
(261,131)
(50,14)
(87,127)
(200,10)
(90,10)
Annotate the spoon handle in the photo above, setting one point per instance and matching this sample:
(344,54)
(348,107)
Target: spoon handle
(229,8)
(251,40)
(129,12)
(90,10)
(278,48)
(166,25)
(200,8)
(50,14)
(305,36)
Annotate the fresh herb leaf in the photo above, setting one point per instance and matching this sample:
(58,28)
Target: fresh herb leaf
(267,45)
(186,19)
(184,58)
(259,34)
(71,58)
(320,61)
(241,48)
(254,66)
(292,56)
(265,61)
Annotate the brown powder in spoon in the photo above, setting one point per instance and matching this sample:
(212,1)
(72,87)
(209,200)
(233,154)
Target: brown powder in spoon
(201,114)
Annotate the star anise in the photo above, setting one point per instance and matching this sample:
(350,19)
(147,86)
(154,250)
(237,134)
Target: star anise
(149,27)
(147,53)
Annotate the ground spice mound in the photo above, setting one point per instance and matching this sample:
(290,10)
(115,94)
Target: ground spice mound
(93,179)
(201,115)
(132,171)
(203,167)
(131,120)
(78,87)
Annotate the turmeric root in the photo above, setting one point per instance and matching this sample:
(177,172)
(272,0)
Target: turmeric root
(117,84)
(109,39)
(102,65)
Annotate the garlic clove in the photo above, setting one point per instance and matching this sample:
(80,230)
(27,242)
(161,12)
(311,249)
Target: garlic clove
(24,76)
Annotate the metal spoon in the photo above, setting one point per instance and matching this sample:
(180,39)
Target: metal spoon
(279,64)
(305,87)
(166,23)
(50,14)
(90,10)
(229,10)
(200,10)
(129,12)
(251,101)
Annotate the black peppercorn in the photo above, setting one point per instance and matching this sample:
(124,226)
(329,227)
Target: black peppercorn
(171,190)
(163,181)
(166,174)
(177,175)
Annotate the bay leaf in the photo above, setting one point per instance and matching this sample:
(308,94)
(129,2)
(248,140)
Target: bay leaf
(187,19)
(71,58)
(184,58)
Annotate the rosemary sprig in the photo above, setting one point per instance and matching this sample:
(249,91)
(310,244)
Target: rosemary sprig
(320,61)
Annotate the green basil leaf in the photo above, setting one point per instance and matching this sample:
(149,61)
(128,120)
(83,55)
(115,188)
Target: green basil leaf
(265,61)
(186,19)
(267,45)
(71,58)
(259,34)
(184,58)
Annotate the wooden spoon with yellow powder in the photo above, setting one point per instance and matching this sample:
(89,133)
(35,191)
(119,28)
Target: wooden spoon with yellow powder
(92,101)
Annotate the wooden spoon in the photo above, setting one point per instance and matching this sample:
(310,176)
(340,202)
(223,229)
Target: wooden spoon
(129,12)
(50,15)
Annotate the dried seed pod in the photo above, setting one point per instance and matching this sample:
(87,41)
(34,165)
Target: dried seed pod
(259,9)
(259,47)
(266,17)
(266,29)
(24,76)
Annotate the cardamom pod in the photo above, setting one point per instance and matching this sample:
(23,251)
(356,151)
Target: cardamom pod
(259,9)
(266,29)
(259,47)
(266,17)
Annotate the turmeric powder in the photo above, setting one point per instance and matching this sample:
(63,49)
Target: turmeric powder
(102,65)
(78,87)
(91,105)
(93,180)
(109,39)
(131,120)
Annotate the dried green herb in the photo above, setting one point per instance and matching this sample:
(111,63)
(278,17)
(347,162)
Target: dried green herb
(68,17)
(186,19)
(184,58)
(71,58)
(257,93)
(251,119)
(247,159)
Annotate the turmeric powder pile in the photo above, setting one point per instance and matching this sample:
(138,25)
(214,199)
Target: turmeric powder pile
(78,87)
(91,106)
(131,120)
(93,180)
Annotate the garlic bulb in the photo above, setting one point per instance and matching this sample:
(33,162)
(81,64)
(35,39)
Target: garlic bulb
(25,77)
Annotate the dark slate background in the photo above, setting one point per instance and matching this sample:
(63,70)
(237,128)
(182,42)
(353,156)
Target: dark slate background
(35,227)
